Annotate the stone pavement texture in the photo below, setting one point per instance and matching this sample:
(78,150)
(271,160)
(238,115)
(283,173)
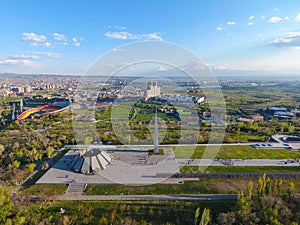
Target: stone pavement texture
(131,166)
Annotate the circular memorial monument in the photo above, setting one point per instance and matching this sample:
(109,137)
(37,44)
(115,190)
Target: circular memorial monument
(91,161)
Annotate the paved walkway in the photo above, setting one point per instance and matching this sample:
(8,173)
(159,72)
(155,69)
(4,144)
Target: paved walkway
(236,162)
(147,197)
(280,139)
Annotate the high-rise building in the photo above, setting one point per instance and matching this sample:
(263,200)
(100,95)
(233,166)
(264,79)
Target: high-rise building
(153,90)
(27,89)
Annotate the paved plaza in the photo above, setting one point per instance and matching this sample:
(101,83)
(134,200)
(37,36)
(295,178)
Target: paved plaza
(135,166)
(130,166)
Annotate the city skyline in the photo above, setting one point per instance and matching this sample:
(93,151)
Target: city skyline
(66,37)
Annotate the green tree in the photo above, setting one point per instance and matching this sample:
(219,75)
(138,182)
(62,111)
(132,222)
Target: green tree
(50,151)
(261,188)
(197,213)
(2,149)
(291,189)
(206,217)
(15,164)
(277,187)
(5,206)
(88,140)
(31,167)
(103,221)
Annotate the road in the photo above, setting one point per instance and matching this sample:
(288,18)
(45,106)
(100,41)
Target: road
(236,162)
(149,146)
(148,197)
(279,143)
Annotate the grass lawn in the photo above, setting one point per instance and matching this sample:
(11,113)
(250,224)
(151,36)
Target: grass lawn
(35,178)
(44,189)
(203,186)
(236,152)
(160,152)
(230,169)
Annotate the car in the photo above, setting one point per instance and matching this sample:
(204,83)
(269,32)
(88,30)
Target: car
(269,144)
(286,144)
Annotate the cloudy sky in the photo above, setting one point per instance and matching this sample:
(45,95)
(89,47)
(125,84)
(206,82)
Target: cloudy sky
(65,37)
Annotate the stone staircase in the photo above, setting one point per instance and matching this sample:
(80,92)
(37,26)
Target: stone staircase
(76,189)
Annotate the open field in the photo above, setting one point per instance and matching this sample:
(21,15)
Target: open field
(236,152)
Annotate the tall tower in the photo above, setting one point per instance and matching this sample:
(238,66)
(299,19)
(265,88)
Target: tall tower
(156,150)
(21,105)
(13,114)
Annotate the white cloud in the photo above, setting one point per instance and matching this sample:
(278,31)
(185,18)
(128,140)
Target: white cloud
(25,60)
(251,23)
(36,40)
(219,28)
(216,67)
(124,35)
(42,41)
(231,23)
(277,19)
(263,17)
(35,44)
(276,9)
(289,39)
(18,60)
(32,37)
(49,54)
(59,37)
(297,18)
(24,57)
(120,28)
(152,36)
(47,44)
(119,50)
(162,68)
(76,41)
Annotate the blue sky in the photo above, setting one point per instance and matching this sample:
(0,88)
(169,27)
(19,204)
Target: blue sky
(65,37)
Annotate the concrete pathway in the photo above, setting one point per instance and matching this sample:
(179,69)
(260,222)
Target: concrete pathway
(147,197)
(236,162)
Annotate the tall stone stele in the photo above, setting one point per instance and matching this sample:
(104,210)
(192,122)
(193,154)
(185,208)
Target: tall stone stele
(156,150)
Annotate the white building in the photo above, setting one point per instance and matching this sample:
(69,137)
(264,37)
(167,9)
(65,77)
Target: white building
(153,90)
